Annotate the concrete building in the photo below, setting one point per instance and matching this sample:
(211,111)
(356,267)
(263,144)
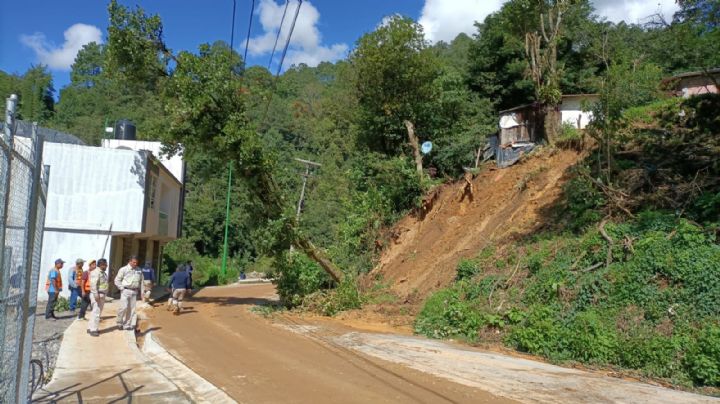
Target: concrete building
(571,109)
(112,201)
(694,83)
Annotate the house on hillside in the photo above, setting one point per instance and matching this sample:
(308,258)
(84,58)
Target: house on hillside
(521,127)
(113,201)
(694,83)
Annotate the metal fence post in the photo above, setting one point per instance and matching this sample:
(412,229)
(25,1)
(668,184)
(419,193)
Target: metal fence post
(7,144)
(30,242)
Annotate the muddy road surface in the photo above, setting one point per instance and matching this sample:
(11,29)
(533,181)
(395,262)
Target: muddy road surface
(256,360)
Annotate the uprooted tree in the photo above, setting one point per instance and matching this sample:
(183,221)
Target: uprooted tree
(205,106)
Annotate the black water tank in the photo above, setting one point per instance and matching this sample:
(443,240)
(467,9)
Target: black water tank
(124,130)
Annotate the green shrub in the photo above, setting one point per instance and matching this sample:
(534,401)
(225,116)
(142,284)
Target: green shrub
(62,304)
(539,333)
(590,339)
(446,315)
(345,297)
(703,360)
(298,276)
(466,269)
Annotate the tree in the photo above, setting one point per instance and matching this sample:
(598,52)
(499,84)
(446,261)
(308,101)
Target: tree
(395,71)
(36,95)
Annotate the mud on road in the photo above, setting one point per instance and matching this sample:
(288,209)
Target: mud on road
(256,360)
(306,360)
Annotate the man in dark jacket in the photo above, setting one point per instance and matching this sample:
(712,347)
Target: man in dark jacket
(180,283)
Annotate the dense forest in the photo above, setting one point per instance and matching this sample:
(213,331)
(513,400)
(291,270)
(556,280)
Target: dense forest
(354,118)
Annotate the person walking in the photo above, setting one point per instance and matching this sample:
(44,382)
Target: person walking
(53,286)
(148,280)
(75,283)
(129,282)
(99,285)
(85,289)
(180,284)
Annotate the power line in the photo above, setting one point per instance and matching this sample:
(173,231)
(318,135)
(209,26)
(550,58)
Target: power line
(247,41)
(277,37)
(287,43)
(232,30)
(282,60)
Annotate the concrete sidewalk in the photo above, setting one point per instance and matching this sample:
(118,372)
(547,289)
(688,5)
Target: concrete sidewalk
(108,368)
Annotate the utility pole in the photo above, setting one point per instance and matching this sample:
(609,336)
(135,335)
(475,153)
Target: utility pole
(308,165)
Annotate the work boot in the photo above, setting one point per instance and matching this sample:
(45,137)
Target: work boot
(94,333)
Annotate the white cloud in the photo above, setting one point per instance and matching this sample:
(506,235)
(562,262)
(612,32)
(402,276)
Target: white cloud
(634,11)
(305,44)
(443,20)
(62,57)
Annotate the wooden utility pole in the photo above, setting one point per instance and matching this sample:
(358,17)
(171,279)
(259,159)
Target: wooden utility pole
(415,144)
(305,176)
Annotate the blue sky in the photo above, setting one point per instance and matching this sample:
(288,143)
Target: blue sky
(51,31)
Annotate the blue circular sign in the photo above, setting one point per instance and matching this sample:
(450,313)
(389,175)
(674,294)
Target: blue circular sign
(426,147)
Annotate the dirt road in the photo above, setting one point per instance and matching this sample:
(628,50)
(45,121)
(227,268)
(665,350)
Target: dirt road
(256,361)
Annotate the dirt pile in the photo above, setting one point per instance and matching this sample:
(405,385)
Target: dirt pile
(462,218)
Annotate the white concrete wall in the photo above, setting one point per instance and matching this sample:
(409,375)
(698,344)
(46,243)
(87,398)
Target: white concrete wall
(91,188)
(173,164)
(68,246)
(571,111)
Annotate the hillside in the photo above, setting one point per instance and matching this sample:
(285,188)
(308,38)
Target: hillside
(425,248)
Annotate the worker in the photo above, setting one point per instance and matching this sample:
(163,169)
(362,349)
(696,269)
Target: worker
(75,283)
(129,282)
(99,285)
(180,284)
(85,289)
(148,280)
(53,286)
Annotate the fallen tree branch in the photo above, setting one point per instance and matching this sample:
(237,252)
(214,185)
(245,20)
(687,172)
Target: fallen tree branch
(607,238)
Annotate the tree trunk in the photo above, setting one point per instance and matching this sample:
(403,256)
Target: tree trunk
(318,256)
(415,146)
(552,123)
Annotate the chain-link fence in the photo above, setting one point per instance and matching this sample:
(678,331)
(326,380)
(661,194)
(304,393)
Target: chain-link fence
(23,195)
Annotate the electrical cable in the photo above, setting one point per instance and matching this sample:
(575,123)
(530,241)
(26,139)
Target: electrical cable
(277,37)
(287,43)
(282,60)
(247,41)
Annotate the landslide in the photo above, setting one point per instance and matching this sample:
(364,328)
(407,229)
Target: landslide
(457,220)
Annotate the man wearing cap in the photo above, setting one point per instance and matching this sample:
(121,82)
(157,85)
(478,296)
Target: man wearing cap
(53,286)
(85,289)
(129,282)
(148,280)
(75,283)
(99,285)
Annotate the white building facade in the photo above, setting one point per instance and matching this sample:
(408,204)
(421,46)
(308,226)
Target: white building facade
(109,202)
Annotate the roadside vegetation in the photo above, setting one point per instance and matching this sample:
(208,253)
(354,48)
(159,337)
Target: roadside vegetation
(625,274)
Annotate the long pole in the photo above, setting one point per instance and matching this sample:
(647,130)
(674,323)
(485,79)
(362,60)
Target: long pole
(302,193)
(227,203)
(227,221)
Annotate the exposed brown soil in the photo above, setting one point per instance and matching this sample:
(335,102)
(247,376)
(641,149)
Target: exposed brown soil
(425,249)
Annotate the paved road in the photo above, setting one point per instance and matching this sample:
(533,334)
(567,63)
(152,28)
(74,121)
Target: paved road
(256,361)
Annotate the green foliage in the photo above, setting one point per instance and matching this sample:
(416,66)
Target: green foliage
(62,304)
(298,277)
(583,202)
(345,296)
(447,315)
(467,269)
(655,308)
(703,360)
